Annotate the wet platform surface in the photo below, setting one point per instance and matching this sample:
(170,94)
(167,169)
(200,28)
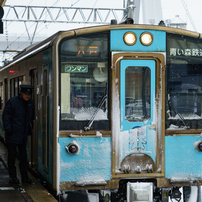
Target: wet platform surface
(22,192)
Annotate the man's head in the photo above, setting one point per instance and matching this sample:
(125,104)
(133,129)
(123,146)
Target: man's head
(26,91)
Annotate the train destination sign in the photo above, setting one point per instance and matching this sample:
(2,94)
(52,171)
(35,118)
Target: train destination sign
(85,47)
(178,46)
(185,52)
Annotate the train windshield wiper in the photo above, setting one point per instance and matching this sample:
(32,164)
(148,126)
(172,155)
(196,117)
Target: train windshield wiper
(89,124)
(172,107)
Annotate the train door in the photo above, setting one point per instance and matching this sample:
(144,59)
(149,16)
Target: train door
(45,120)
(137,147)
(34,138)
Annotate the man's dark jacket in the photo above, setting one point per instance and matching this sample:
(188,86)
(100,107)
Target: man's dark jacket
(18,116)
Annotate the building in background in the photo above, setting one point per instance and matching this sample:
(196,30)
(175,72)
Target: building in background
(177,22)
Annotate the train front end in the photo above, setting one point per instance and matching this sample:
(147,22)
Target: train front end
(129,119)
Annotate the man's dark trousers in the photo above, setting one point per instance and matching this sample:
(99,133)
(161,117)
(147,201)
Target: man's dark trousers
(12,151)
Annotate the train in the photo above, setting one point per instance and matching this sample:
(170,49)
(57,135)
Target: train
(118,111)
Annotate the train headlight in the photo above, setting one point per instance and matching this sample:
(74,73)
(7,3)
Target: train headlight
(72,148)
(146,38)
(129,38)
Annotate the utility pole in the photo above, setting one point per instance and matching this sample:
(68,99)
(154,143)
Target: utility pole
(133,10)
(1,16)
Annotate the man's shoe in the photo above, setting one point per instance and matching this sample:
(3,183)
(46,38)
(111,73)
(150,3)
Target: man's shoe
(14,180)
(26,180)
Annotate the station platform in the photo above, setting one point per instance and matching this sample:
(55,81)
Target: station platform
(9,192)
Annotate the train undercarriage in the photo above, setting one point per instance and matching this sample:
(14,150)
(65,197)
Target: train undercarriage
(135,191)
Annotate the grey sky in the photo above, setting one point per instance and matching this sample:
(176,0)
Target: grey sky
(169,8)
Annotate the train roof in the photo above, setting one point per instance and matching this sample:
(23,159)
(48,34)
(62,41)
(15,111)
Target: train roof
(33,49)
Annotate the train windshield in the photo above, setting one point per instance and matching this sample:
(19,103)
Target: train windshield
(84,81)
(184,82)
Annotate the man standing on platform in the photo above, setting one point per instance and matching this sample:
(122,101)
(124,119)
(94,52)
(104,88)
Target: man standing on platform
(18,116)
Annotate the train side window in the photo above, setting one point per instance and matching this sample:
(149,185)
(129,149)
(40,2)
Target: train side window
(137,94)
(5,90)
(81,93)
(1,95)
(12,87)
(16,87)
(20,82)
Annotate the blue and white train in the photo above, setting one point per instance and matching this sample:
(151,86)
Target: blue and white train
(118,111)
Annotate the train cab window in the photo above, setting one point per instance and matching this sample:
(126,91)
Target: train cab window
(84,82)
(1,95)
(137,94)
(184,83)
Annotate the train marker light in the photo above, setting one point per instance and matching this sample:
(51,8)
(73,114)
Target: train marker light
(198,146)
(146,38)
(129,38)
(72,148)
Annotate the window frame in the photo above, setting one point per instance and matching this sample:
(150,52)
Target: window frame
(14,91)
(177,41)
(140,92)
(79,125)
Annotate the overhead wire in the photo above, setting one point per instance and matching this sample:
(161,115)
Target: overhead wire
(75,3)
(43,23)
(6,28)
(58,16)
(189,15)
(46,24)
(21,11)
(25,31)
(71,6)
